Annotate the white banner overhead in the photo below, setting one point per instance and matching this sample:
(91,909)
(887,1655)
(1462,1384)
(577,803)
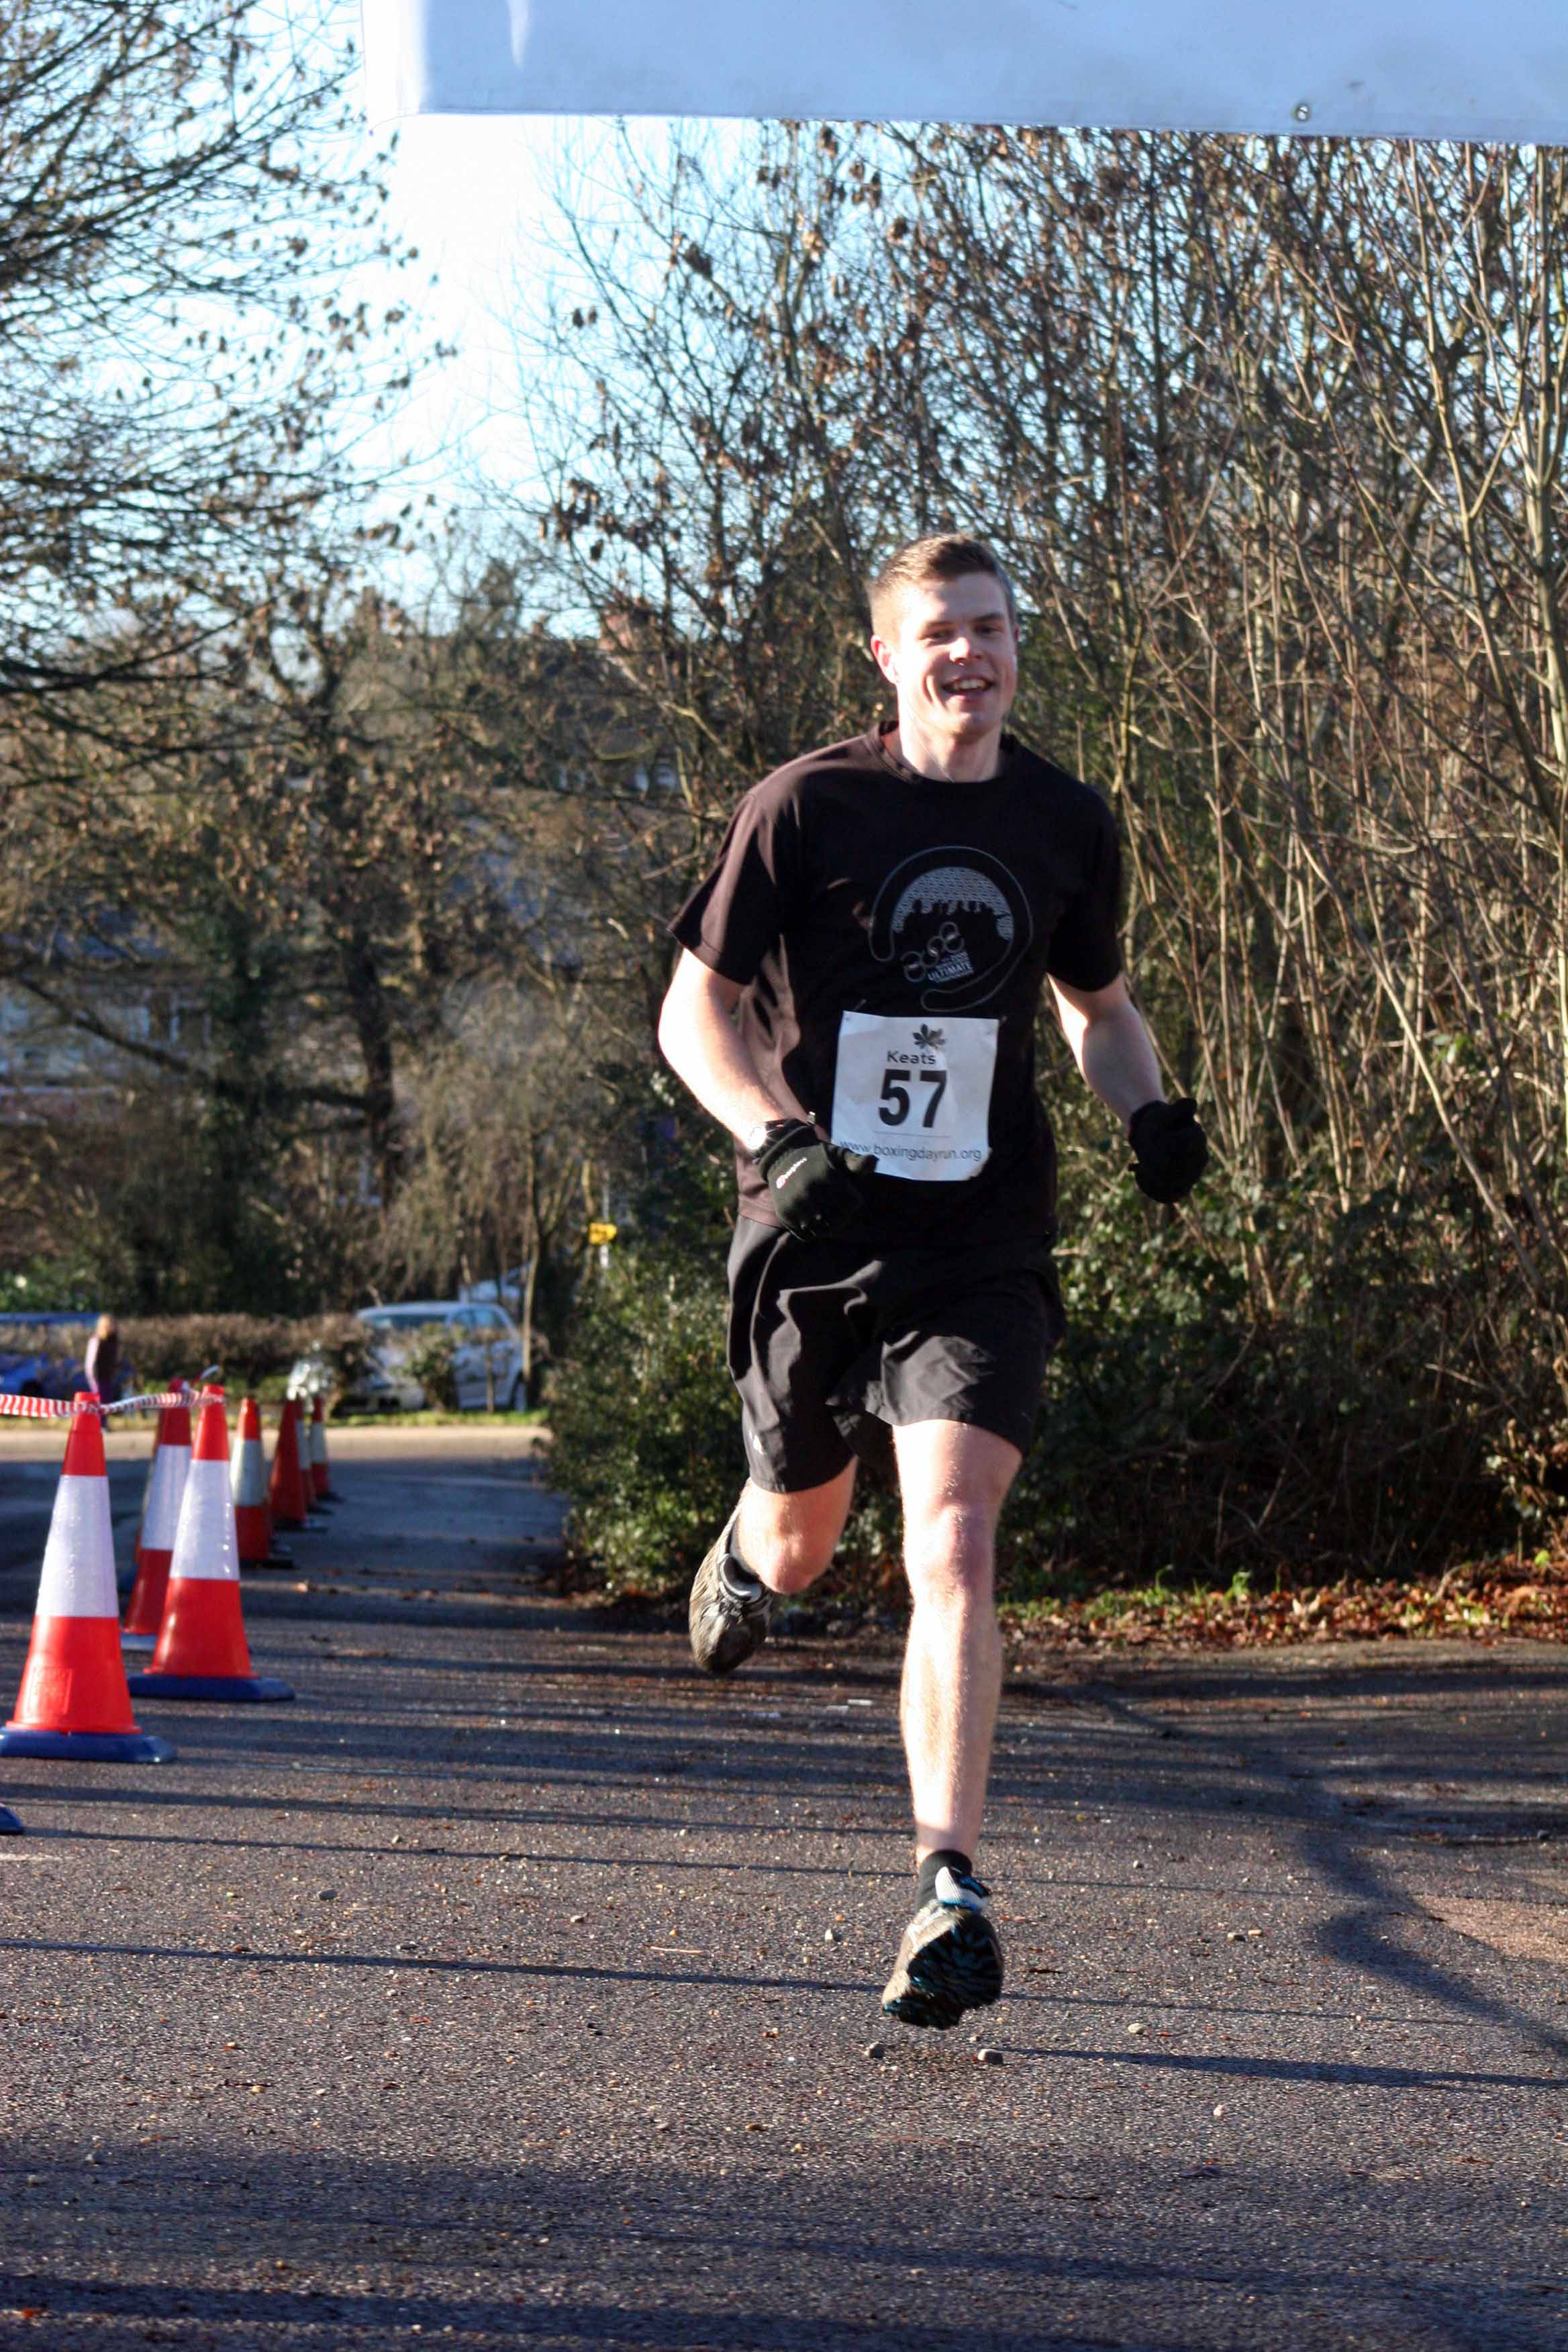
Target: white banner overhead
(1411,69)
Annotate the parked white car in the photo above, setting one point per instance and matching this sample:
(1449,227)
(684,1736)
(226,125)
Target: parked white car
(507,1292)
(387,1386)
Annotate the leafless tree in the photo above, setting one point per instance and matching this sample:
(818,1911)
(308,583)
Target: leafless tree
(172,321)
(1272,436)
(510,1118)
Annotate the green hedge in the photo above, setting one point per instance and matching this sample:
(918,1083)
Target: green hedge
(646,1431)
(254,1352)
(1181,1437)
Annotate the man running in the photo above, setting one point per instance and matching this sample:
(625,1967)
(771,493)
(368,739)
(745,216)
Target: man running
(856,1003)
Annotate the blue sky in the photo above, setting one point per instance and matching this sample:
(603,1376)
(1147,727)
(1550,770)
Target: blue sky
(472,194)
(476,195)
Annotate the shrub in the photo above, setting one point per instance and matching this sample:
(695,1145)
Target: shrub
(429,1356)
(342,1342)
(1243,1392)
(251,1352)
(1182,1435)
(43,1285)
(645,1422)
(647,1436)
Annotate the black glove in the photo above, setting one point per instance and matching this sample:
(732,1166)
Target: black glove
(813,1184)
(1169,1147)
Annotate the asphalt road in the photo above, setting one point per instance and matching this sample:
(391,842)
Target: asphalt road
(26,1499)
(516,1987)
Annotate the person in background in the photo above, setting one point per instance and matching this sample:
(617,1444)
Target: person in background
(101,1367)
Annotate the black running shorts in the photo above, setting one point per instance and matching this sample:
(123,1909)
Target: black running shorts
(831,1348)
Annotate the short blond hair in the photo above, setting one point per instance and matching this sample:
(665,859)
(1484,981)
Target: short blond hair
(946,555)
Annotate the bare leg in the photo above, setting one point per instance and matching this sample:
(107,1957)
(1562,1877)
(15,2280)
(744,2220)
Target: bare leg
(789,1539)
(954,1480)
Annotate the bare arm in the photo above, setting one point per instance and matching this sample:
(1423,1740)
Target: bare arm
(700,1040)
(1110,1045)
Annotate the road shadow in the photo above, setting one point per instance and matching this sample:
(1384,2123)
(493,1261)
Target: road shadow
(674,2251)
(1290,1768)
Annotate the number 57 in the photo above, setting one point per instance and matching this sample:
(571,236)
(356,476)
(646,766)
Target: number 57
(894,1108)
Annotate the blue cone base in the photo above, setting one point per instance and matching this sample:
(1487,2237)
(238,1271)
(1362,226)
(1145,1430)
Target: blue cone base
(238,1689)
(86,1747)
(11,1824)
(138,1641)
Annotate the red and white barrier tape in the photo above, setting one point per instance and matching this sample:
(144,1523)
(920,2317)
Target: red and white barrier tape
(29,1408)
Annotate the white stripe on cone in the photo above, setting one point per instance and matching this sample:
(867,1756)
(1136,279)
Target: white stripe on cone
(78,1578)
(170,1470)
(147,1481)
(206,1544)
(248,1472)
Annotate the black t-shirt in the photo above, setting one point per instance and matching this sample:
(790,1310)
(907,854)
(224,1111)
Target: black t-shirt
(892,933)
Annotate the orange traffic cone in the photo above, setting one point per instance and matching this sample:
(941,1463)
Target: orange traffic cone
(202,1651)
(74,1701)
(155,1544)
(320,1470)
(247,1483)
(288,1495)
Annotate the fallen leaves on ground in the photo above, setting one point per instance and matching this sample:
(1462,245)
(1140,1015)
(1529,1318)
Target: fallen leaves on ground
(1483,1602)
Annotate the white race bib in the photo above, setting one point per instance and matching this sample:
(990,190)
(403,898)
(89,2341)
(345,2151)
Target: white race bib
(917,1092)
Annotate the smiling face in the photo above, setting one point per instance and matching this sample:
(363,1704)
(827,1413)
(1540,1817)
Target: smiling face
(951,653)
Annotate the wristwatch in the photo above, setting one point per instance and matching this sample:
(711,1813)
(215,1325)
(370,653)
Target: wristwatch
(755,1138)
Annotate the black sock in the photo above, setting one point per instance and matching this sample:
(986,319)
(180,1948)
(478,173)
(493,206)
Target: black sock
(946,1857)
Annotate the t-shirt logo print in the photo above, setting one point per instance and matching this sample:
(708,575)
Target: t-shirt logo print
(956,921)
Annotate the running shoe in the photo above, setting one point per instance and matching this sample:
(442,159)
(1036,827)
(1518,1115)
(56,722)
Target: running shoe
(731,1609)
(950,1960)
